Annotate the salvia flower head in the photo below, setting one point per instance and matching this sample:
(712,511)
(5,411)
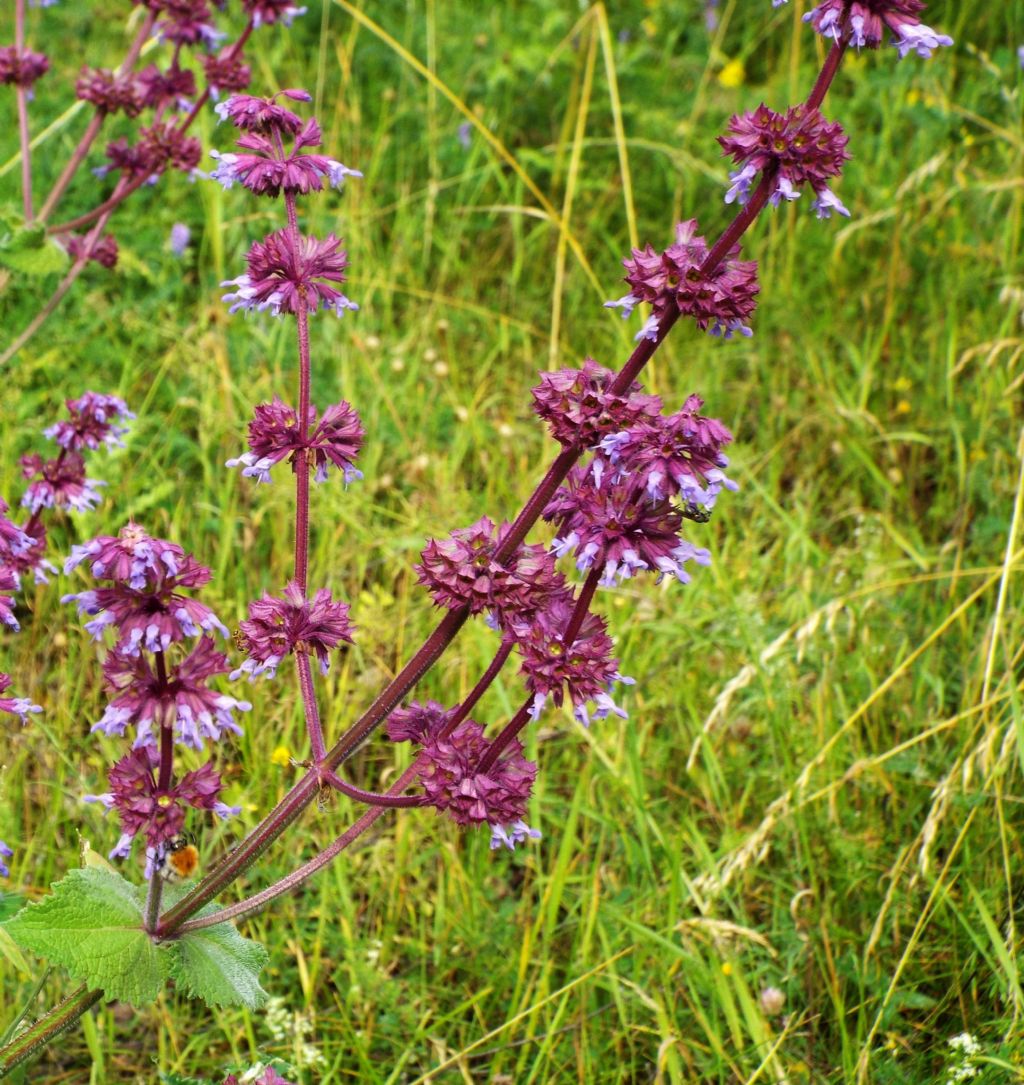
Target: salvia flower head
(611,522)
(157,812)
(863,23)
(13,540)
(417,722)
(451,780)
(31,558)
(462,571)
(143,603)
(283,275)
(16,706)
(277,627)
(94,420)
(225,71)
(579,409)
(188,22)
(720,302)
(5,854)
(58,483)
(263,115)
(585,670)
(679,454)
(175,86)
(799,146)
(164,145)
(274,434)
(145,699)
(21,69)
(266,169)
(108,92)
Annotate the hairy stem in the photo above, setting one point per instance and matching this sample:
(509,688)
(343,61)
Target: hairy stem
(154,893)
(47,1028)
(309,705)
(292,881)
(371,798)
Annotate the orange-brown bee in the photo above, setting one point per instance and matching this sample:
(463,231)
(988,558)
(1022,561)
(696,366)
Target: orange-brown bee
(182,858)
(238,639)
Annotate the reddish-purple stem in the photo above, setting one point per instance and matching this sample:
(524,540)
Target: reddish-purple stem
(309,705)
(371,798)
(474,695)
(166,729)
(22,96)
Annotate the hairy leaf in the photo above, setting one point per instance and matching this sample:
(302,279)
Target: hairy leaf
(92,925)
(219,966)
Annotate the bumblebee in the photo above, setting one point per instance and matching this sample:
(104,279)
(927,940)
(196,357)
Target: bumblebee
(181,860)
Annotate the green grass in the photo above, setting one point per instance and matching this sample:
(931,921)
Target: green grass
(820,784)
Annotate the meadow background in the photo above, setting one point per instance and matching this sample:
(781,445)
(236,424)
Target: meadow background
(820,784)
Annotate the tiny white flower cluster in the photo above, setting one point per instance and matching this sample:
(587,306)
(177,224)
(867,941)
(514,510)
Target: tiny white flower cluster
(296,1028)
(965,1050)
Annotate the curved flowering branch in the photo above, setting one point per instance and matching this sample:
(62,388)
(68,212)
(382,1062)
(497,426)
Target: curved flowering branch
(638,460)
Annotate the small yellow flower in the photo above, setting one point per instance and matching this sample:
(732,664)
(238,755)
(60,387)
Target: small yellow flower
(281,756)
(733,74)
(726,968)
(902,384)
(903,407)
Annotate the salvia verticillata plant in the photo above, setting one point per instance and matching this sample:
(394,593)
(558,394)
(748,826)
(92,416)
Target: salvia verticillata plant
(626,495)
(157,102)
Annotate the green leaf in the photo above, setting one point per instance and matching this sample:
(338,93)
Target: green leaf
(92,925)
(31,252)
(219,966)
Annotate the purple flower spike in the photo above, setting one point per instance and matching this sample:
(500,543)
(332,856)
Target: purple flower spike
(21,707)
(725,298)
(461,570)
(281,274)
(93,422)
(799,146)
(103,252)
(5,854)
(452,783)
(578,408)
(181,235)
(277,627)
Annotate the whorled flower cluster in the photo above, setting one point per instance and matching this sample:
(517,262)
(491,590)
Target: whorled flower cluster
(21,68)
(274,433)
(462,570)
(863,24)
(579,408)
(277,627)
(720,300)
(154,810)
(265,167)
(21,707)
(142,601)
(798,147)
